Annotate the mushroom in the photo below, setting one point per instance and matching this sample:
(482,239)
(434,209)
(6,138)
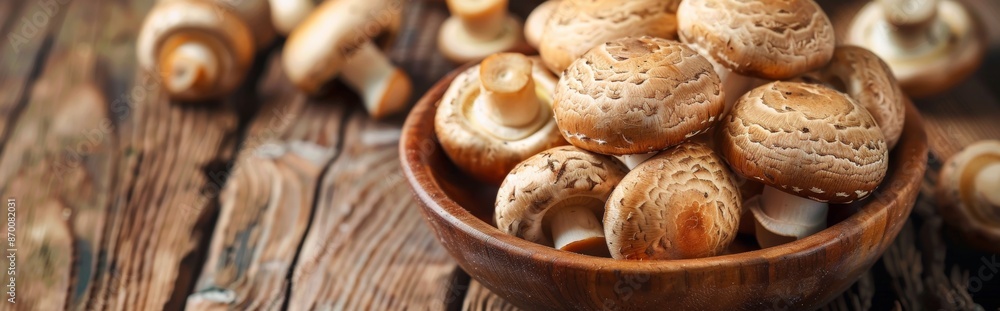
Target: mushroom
(496,114)
(682,203)
(968,192)
(556,198)
(199,49)
(930,45)
(287,14)
(869,81)
(576,26)
(794,37)
(478,28)
(810,145)
(329,42)
(633,97)
(534,26)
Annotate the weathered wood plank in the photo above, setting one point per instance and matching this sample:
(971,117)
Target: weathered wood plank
(266,203)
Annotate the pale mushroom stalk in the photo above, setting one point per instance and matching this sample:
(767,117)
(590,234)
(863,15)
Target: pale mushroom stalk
(508,90)
(576,229)
(287,14)
(383,87)
(482,19)
(783,217)
(914,26)
(477,29)
(987,184)
(191,67)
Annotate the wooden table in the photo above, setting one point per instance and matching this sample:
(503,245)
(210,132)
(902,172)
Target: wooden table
(272,200)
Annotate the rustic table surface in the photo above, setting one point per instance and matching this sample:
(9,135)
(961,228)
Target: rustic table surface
(272,200)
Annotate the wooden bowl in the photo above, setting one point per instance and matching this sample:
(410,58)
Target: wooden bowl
(803,274)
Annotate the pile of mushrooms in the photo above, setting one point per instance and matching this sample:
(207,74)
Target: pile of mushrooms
(660,131)
(202,49)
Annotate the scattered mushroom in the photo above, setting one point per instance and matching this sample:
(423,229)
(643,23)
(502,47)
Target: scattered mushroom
(576,26)
(869,81)
(496,114)
(930,45)
(557,198)
(200,50)
(534,26)
(478,28)
(328,43)
(968,192)
(682,203)
(810,145)
(633,97)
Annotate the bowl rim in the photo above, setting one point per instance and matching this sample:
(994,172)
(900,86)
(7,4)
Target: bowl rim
(912,150)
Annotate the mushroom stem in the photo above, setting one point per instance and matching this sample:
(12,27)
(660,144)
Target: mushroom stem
(576,229)
(190,66)
(914,25)
(287,14)
(633,160)
(508,89)
(987,185)
(483,19)
(383,87)
(783,217)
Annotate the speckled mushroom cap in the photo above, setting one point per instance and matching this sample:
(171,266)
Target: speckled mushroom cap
(637,95)
(681,203)
(807,140)
(551,179)
(866,78)
(576,26)
(968,192)
(488,150)
(766,39)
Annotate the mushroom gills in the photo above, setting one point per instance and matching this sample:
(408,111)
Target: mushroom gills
(575,227)
(783,217)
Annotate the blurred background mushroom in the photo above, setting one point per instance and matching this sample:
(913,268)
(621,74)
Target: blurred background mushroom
(287,14)
(810,145)
(496,114)
(931,45)
(682,203)
(557,198)
(968,194)
(478,28)
(633,97)
(534,25)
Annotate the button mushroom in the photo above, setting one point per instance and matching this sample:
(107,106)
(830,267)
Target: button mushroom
(968,191)
(681,203)
(633,97)
(766,39)
(496,114)
(287,14)
(200,50)
(478,28)
(869,81)
(810,145)
(329,43)
(579,25)
(534,26)
(556,198)
(930,45)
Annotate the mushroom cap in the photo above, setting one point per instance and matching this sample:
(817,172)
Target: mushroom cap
(554,178)
(172,23)
(534,25)
(682,203)
(969,197)
(958,47)
(576,26)
(484,149)
(637,95)
(869,81)
(316,50)
(807,140)
(766,39)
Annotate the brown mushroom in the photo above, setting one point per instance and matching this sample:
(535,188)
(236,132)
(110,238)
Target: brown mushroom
(200,50)
(681,203)
(534,26)
(765,39)
(496,114)
(478,28)
(930,45)
(869,81)
(968,192)
(636,96)
(328,43)
(579,25)
(556,198)
(811,145)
